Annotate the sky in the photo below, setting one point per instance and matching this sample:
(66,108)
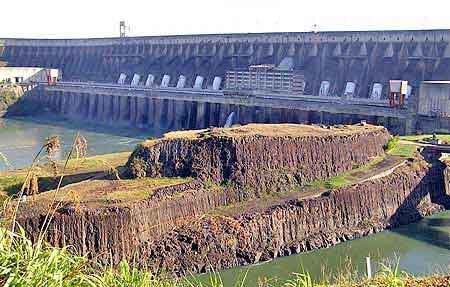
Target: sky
(100,18)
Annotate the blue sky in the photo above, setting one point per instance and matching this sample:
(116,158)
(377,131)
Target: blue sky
(95,18)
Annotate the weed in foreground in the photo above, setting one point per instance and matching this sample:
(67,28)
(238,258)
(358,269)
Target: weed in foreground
(5,160)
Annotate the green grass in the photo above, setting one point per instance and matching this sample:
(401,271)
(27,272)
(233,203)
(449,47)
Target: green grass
(415,138)
(331,182)
(336,182)
(395,148)
(404,150)
(10,185)
(392,143)
(98,162)
(146,187)
(368,165)
(77,170)
(347,178)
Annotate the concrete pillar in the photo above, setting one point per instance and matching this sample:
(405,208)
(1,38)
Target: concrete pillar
(180,116)
(133,111)
(52,100)
(92,106)
(191,110)
(66,103)
(201,111)
(141,112)
(243,115)
(213,115)
(85,107)
(170,114)
(69,103)
(124,109)
(99,116)
(107,108)
(410,126)
(150,112)
(76,102)
(59,102)
(115,108)
(223,114)
(158,106)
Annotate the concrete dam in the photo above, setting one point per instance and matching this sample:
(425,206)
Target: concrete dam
(164,110)
(363,58)
(329,61)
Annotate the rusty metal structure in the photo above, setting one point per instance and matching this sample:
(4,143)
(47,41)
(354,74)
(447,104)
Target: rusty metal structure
(397,94)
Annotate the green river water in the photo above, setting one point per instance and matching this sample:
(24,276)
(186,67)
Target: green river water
(421,248)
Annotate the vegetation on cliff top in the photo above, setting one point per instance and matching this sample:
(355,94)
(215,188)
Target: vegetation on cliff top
(268,130)
(95,183)
(76,170)
(395,147)
(418,138)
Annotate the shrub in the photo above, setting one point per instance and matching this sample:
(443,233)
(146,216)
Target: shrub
(138,167)
(392,143)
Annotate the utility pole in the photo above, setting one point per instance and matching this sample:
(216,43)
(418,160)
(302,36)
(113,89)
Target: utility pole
(123,29)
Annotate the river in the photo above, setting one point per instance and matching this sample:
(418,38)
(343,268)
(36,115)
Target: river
(422,248)
(21,139)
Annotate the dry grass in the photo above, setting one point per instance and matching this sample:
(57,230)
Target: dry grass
(291,130)
(105,192)
(267,130)
(76,170)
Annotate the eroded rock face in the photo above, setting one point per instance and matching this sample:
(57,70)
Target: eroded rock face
(269,158)
(297,225)
(173,233)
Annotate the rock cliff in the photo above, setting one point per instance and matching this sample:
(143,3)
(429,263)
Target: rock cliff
(296,225)
(265,157)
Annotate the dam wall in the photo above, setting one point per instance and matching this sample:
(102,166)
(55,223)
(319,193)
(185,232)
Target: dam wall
(363,58)
(161,112)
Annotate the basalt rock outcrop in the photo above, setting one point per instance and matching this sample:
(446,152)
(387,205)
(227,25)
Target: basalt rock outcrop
(297,225)
(179,231)
(219,219)
(263,157)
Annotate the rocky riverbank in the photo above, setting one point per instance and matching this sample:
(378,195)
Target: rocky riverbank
(297,225)
(9,95)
